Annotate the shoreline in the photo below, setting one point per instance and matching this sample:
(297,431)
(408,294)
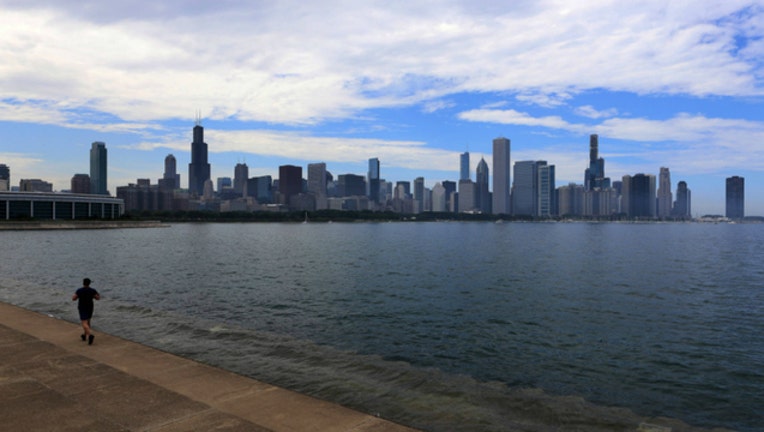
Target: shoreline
(128,386)
(78,225)
(255,405)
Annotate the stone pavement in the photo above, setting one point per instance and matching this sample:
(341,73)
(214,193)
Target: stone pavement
(52,381)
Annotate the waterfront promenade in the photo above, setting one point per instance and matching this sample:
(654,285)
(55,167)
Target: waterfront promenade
(52,381)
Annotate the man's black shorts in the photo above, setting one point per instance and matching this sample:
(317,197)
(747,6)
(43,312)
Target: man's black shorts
(85,314)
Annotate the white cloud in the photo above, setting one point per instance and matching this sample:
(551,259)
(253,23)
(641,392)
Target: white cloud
(304,147)
(437,105)
(513,117)
(240,60)
(696,142)
(19,162)
(593,113)
(543,98)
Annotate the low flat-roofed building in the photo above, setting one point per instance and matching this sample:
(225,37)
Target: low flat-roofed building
(55,205)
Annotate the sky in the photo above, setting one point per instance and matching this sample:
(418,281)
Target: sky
(677,84)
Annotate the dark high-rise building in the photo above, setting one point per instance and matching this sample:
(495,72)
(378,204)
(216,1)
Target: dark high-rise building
(501,177)
(594,176)
(5,177)
(98,169)
(419,194)
(374,180)
(483,196)
(170,179)
(525,188)
(240,176)
(351,185)
(682,205)
(735,197)
(290,182)
(81,184)
(199,168)
(638,196)
(450,192)
(464,166)
(260,189)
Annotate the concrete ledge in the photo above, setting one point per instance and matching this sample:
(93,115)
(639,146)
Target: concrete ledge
(51,380)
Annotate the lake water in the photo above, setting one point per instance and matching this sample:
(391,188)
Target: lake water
(441,325)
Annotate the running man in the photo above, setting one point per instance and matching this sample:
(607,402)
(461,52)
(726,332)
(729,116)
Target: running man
(85,295)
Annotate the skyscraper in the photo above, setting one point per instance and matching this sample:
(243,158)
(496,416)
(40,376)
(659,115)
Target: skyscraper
(199,168)
(570,200)
(402,190)
(682,205)
(224,184)
(5,177)
(665,199)
(171,179)
(451,195)
(464,166)
(290,182)
(317,184)
(374,180)
(81,184)
(438,198)
(419,194)
(525,189)
(467,202)
(594,176)
(638,196)
(501,176)
(98,169)
(546,202)
(260,189)
(240,177)
(483,196)
(735,197)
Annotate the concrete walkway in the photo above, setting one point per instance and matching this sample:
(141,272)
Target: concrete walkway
(52,381)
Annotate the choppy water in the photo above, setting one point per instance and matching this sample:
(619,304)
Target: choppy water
(442,326)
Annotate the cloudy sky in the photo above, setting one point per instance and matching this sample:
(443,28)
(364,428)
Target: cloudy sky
(414,83)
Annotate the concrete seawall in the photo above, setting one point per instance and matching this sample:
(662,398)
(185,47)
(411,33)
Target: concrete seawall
(51,380)
(76,225)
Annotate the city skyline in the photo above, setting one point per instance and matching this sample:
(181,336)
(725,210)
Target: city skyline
(675,86)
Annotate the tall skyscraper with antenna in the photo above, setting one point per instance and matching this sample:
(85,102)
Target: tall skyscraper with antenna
(594,176)
(199,168)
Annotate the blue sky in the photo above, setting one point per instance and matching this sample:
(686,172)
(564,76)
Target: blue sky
(675,84)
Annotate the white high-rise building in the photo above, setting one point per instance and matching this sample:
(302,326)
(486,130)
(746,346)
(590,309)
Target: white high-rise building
(317,184)
(439,198)
(665,198)
(467,196)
